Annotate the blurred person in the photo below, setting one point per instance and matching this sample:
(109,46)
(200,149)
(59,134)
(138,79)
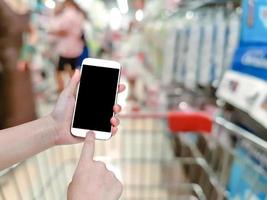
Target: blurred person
(132,57)
(91,179)
(85,52)
(106,46)
(67,26)
(14,83)
(28,49)
(132,74)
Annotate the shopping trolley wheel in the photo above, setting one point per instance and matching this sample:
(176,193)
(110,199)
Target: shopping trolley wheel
(198,122)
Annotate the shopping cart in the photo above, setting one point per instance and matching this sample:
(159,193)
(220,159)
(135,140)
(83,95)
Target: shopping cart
(152,161)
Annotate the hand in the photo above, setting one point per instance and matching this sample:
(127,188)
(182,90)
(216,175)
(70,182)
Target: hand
(63,111)
(91,179)
(22,65)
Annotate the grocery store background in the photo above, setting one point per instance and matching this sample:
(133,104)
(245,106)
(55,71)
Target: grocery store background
(194,120)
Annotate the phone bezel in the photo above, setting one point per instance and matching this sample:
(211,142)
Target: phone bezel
(100,135)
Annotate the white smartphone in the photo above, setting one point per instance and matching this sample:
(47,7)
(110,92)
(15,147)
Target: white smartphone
(96,96)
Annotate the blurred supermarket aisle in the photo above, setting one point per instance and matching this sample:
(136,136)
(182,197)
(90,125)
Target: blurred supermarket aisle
(190,66)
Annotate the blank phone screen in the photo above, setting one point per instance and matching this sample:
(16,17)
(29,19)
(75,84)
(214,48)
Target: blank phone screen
(96,98)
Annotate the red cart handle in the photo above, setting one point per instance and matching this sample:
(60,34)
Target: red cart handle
(198,122)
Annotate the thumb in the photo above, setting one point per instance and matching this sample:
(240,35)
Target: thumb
(73,83)
(88,150)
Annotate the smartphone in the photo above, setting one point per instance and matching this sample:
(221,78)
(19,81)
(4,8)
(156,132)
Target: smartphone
(96,96)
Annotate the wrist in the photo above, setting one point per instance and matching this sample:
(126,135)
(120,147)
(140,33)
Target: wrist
(53,129)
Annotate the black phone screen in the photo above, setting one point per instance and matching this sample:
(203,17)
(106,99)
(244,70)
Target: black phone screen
(96,98)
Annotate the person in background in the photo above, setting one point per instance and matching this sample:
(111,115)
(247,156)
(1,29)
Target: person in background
(67,27)
(91,179)
(85,53)
(106,46)
(27,51)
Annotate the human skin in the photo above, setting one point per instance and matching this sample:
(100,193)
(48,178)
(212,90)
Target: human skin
(92,180)
(22,142)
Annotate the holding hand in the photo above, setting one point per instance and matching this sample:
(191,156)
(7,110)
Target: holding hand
(62,114)
(92,180)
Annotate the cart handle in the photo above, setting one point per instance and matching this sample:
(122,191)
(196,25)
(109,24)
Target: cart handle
(178,121)
(197,122)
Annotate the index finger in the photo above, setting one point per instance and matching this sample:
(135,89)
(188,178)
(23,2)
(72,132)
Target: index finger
(88,150)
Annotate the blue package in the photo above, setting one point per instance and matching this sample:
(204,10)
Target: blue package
(245,181)
(254,21)
(251,59)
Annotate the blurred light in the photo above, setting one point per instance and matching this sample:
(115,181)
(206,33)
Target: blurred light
(85,5)
(183,106)
(189,15)
(50,4)
(115,19)
(123,6)
(139,15)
